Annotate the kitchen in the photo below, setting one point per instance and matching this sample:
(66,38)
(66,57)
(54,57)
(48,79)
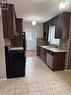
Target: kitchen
(49,72)
(57,33)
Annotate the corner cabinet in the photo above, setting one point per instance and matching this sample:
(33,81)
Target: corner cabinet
(54,60)
(9,21)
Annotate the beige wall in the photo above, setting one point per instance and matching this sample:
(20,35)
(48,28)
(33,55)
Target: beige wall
(2,53)
(38,28)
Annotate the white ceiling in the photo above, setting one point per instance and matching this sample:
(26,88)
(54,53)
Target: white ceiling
(39,10)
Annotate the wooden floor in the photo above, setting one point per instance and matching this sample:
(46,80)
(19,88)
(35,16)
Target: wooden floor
(31,53)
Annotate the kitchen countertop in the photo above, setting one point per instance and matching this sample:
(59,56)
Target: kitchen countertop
(53,49)
(17,48)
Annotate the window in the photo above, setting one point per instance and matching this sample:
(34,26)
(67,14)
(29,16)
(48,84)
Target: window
(51,36)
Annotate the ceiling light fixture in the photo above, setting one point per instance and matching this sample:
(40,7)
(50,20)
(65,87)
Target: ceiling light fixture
(33,22)
(3,4)
(63,5)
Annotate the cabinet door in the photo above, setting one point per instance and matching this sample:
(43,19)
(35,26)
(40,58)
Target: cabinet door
(14,20)
(45,55)
(19,28)
(59,26)
(9,22)
(41,52)
(5,23)
(18,41)
(66,26)
(62,26)
(50,60)
(45,30)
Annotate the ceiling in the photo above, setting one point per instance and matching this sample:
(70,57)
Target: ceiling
(39,10)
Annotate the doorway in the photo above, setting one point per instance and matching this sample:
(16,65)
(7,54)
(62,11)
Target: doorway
(30,42)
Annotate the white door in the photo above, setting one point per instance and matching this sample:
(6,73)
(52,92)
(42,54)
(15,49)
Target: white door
(30,39)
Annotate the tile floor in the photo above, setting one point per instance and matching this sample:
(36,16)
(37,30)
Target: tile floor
(39,80)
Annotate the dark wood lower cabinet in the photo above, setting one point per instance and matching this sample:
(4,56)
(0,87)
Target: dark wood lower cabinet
(55,60)
(15,63)
(43,54)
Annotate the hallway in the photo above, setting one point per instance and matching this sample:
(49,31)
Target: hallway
(39,80)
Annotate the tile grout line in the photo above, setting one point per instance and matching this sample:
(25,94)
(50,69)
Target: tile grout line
(38,86)
(23,92)
(64,91)
(58,87)
(27,86)
(15,85)
(3,87)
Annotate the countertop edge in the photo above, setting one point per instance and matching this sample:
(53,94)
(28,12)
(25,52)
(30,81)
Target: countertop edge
(55,50)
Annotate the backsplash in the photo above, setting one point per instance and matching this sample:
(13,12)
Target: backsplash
(67,45)
(7,42)
(41,41)
(63,45)
(68,57)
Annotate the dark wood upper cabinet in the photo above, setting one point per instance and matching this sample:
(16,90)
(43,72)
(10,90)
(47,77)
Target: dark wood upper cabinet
(62,24)
(66,25)
(9,22)
(45,30)
(5,23)
(59,26)
(18,40)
